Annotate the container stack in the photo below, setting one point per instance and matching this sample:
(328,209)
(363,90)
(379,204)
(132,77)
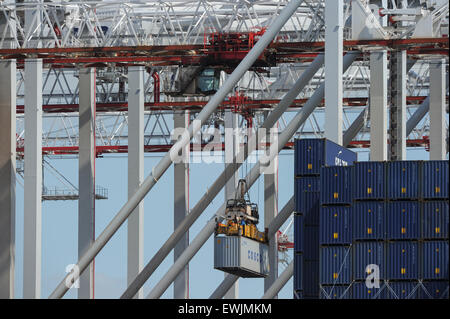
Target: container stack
(335,232)
(400,226)
(434,229)
(306,189)
(402,229)
(368,225)
(310,156)
(374,230)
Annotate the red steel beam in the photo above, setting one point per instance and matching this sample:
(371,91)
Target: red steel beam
(108,149)
(168,106)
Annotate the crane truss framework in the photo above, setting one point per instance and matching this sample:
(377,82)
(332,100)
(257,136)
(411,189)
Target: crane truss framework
(166,35)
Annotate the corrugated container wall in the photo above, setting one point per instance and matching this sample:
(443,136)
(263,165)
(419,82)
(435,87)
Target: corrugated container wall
(298,233)
(403,179)
(402,260)
(403,220)
(365,254)
(361,291)
(241,256)
(435,260)
(298,294)
(435,290)
(435,217)
(309,207)
(336,185)
(311,278)
(335,265)
(368,220)
(302,185)
(311,242)
(335,225)
(335,292)
(435,179)
(298,273)
(311,154)
(369,181)
(403,290)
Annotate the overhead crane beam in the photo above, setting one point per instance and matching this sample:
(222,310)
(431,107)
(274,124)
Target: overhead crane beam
(250,104)
(164,164)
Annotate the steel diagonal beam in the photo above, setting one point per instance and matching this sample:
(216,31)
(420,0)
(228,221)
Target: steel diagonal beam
(165,163)
(419,114)
(276,223)
(280,282)
(220,182)
(355,127)
(251,178)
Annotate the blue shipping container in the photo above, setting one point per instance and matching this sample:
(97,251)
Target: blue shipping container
(335,225)
(298,294)
(310,207)
(311,242)
(434,290)
(311,154)
(335,265)
(435,220)
(403,179)
(435,179)
(403,220)
(311,278)
(435,260)
(336,185)
(402,260)
(302,185)
(298,233)
(335,292)
(298,272)
(368,220)
(361,291)
(365,255)
(369,180)
(403,290)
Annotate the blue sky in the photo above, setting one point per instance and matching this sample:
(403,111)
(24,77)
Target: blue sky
(59,226)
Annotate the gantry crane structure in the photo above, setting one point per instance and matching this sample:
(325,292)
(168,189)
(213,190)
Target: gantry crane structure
(91,78)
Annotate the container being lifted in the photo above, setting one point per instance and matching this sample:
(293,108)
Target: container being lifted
(239,247)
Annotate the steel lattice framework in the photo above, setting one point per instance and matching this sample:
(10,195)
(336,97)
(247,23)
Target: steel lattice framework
(171,37)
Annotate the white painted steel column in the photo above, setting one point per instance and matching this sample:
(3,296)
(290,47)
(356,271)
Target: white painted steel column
(32,251)
(397,131)
(135,224)
(334,21)
(270,212)
(231,150)
(86,179)
(438,131)
(378,106)
(181,206)
(7,176)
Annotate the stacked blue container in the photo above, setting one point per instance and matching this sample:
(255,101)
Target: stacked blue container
(434,229)
(369,230)
(310,156)
(400,224)
(335,231)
